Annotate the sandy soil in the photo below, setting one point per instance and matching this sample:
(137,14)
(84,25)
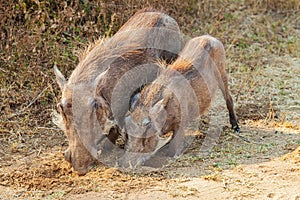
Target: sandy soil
(263,162)
(276,179)
(266,168)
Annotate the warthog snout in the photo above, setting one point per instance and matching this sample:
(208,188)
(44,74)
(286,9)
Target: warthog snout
(81,160)
(143,141)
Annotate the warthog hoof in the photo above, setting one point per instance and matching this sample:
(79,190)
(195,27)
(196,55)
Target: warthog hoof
(236,128)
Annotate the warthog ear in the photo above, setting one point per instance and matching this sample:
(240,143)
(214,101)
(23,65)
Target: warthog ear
(61,80)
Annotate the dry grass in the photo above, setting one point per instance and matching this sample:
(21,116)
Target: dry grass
(262,41)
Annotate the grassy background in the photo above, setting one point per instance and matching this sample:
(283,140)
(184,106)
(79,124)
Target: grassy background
(36,34)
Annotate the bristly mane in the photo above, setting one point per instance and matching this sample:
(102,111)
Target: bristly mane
(102,53)
(82,54)
(183,65)
(105,51)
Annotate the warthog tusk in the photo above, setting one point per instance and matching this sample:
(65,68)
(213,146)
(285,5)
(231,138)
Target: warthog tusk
(162,142)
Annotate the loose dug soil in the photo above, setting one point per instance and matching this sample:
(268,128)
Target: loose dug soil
(267,170)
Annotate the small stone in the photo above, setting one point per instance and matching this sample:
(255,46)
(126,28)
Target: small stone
(271,195)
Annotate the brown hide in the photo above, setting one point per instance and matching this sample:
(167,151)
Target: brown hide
(101,65)
(202,64)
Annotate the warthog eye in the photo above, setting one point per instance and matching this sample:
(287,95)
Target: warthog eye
(145,122)
(133,101)
(95,104)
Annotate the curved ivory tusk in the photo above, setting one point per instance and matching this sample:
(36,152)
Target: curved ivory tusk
(162,142)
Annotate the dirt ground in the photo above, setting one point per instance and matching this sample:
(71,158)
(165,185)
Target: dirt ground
(262,40)
(263,162)
(266,168)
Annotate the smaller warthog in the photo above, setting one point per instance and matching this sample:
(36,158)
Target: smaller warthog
(85,108)
(182,92)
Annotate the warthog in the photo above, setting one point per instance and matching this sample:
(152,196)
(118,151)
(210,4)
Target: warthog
(146,36)
(191,80)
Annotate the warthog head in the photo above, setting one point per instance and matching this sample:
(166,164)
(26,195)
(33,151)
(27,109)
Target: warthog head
(147,123)
(77,154)
(90,117)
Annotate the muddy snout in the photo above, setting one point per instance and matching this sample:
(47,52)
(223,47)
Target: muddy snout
(81,160)
(143,143)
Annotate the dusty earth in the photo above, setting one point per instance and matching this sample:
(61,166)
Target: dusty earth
(268,167)
(262,162)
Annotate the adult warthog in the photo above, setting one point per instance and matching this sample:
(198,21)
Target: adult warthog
(85,109)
